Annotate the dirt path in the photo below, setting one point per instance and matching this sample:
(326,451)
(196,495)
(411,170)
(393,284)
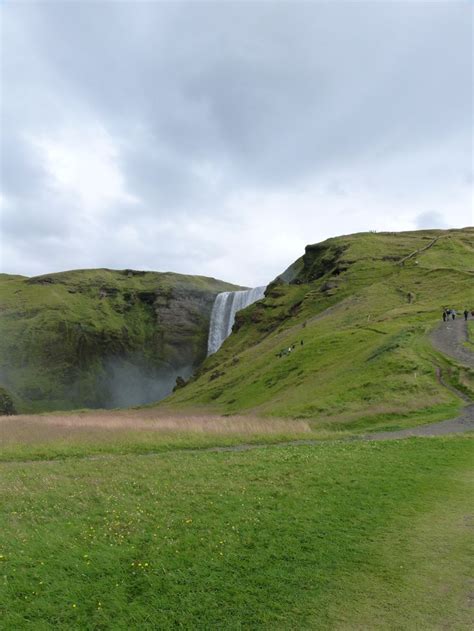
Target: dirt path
(449,338)
(458,425)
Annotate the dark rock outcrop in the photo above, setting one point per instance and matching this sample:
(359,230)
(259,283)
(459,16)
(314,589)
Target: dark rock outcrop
(7,407)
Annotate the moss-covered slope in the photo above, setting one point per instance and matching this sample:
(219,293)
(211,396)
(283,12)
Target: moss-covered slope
(101,338)
(357,311)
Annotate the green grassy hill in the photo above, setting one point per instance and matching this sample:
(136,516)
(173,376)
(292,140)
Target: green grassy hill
(359,310)
(100,338)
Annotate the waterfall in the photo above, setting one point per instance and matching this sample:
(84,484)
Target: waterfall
(223,313)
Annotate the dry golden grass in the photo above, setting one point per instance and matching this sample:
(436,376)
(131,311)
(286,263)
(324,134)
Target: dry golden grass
(103,424)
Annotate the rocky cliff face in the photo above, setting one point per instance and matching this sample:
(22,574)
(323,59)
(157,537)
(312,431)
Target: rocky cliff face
(101,338)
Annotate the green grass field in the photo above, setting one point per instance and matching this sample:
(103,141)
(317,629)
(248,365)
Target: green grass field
(340,535)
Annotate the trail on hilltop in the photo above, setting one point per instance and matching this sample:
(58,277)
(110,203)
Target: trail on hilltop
(449,338)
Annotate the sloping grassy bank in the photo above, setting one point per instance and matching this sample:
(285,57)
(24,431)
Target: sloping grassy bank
(332,536)
(357,317)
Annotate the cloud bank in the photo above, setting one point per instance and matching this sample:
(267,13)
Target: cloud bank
(219,139)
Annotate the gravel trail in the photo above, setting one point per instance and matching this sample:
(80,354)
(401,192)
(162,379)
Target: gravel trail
(449,338)
(458,425)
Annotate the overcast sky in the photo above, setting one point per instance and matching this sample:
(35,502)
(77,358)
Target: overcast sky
(221,138)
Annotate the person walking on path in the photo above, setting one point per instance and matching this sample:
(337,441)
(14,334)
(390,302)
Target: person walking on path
(466,313)
(453,314)
(444,316)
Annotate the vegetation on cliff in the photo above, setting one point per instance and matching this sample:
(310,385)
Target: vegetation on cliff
(7,407)
(101,338)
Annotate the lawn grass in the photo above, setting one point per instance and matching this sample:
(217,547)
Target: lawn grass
(332,536)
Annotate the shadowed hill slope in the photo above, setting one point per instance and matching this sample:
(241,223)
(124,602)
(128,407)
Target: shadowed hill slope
(101,338)
(356,311)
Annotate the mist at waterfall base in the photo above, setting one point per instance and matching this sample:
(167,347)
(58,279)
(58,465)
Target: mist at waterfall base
(126,383)
(223,313)
(131,381)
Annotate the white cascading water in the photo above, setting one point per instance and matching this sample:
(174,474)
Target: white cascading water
(223,313)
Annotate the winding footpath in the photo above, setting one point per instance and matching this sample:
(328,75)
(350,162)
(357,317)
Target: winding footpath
(449,338)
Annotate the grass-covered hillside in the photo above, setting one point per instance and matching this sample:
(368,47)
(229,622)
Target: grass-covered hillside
(358,311)
(100,338)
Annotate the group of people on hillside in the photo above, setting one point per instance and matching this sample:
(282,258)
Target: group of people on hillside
(290,349)
(450,314)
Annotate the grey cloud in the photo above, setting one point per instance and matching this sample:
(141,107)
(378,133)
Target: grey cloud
(207,101)
(271,89)
(24,218)
(20,172)
(431,219)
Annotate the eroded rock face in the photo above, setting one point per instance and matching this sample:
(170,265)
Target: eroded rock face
(182,319)
(321,258)
(101,338)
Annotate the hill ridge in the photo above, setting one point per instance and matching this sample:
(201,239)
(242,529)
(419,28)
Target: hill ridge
(356,322)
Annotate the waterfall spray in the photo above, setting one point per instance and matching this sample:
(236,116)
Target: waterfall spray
(223,313)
